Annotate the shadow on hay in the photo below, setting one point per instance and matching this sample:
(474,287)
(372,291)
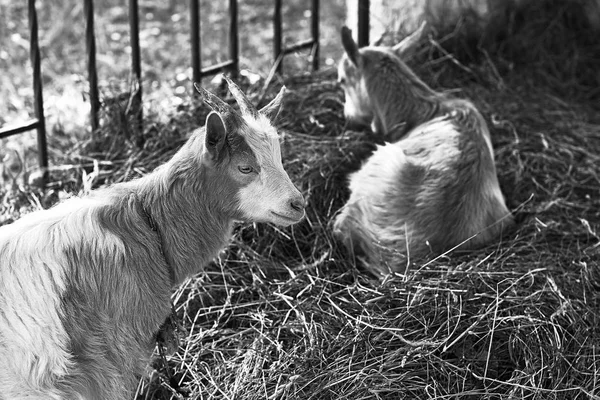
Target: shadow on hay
(553,42)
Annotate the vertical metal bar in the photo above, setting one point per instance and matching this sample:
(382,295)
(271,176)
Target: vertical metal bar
(90,41)
(34,53)
(315,33)
(277,37)
(363,23)
(136,64)
(233,37)
(195,40)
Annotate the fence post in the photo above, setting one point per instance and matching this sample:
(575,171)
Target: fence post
(34,53)
(363,23)
(136,65)
(277,49)
(233,38)
(315,33)
(88,8)
(195,40)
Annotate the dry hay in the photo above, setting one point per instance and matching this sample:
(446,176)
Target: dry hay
(286,313)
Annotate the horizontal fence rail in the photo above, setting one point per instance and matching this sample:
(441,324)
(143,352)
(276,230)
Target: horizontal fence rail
(231,65)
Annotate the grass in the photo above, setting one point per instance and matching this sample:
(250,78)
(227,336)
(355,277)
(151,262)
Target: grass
(286,313)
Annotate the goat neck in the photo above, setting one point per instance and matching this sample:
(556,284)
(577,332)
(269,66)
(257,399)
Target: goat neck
(401,101)
(189,210)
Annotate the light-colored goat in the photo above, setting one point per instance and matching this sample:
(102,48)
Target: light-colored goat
(85,286)
(435,186)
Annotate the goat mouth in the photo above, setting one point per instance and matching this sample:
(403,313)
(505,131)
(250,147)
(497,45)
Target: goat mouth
(288,219)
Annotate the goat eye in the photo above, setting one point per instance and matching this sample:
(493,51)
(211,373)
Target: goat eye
(342,81)
(245,169)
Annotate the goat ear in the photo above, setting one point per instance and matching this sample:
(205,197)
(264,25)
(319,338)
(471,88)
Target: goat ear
(407,44)
(350,45)
(271,110)
(215,136)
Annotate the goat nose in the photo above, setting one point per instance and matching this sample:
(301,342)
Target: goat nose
(298,204)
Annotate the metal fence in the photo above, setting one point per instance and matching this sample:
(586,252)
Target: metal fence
(198,72)
(38,123)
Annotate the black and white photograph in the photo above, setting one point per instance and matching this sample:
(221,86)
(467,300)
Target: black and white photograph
(311,200)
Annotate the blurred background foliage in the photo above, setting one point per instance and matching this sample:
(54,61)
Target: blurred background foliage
(165,46)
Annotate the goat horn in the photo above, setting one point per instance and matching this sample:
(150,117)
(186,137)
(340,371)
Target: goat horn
(272,109)
(213,101)
(245,106)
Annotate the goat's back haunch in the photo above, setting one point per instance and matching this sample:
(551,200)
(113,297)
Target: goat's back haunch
(85,285)
(435,186)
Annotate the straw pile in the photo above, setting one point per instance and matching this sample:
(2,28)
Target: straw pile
(287,314)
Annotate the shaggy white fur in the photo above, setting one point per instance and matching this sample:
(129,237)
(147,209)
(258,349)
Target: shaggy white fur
(435,186)
(85,286)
